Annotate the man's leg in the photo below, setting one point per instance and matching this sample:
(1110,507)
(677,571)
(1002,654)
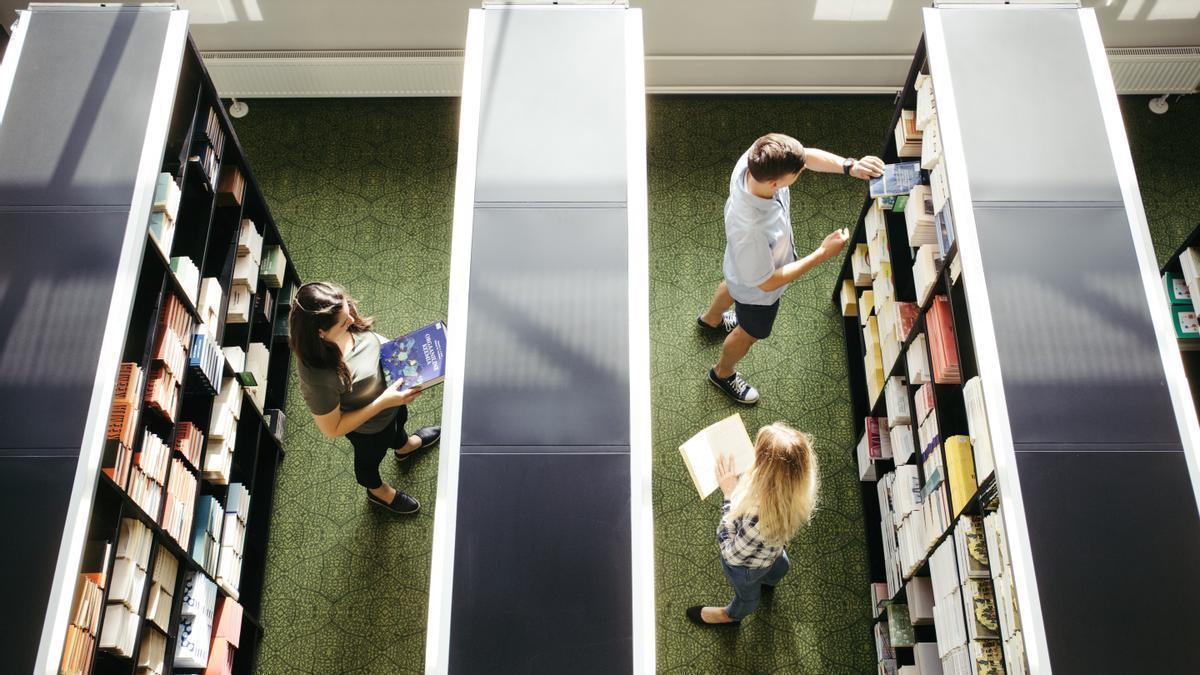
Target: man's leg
(737,344)
(721,302)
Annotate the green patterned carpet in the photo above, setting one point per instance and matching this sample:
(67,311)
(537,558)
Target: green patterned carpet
(363,194)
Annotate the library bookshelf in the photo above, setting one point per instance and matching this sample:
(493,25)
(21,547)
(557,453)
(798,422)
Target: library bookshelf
(179,428)
(982,319)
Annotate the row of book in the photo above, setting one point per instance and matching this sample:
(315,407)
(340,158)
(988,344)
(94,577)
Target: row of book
(233,538)
(943,348)
(1179,294)
(206,540)
(232,187)
(180,502)
(174,333)
(210,628)
(79,647)
(188,275)
(163,212)
(1013,644)
(189,442)
(964,603)
(149,474)
(206,361)
(126,588)
(209,145)
(123,423)
(222,432)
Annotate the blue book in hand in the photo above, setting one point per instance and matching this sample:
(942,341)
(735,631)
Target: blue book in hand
(418,358)
(897,179)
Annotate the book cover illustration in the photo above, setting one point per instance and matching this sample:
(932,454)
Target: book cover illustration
(418,358)
(897,179)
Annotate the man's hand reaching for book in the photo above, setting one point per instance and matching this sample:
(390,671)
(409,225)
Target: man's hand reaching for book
(726,478)
(867,167)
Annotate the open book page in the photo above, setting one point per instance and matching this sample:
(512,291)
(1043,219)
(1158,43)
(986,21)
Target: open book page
(700,452)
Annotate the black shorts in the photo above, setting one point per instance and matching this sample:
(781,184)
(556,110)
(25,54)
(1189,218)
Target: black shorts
(756,320)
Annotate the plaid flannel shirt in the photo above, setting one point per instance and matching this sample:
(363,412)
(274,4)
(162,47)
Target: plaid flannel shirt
(741,542)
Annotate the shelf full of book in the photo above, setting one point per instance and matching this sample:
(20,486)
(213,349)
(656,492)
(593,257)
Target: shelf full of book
(922,446)
(980,342)
(172,493)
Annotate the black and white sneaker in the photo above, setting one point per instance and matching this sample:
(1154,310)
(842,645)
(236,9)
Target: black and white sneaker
(735,387)
(401,503)
(728,323)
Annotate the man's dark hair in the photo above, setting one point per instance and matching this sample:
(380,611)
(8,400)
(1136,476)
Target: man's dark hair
(775,156)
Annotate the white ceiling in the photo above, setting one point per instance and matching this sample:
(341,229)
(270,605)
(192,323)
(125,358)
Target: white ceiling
(673,27)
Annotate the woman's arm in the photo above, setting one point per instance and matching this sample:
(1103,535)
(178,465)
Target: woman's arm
(337,423)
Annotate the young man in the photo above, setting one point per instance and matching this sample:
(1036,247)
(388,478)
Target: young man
(760,254)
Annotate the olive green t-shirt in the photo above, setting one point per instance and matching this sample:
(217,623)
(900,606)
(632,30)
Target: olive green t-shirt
(323,391)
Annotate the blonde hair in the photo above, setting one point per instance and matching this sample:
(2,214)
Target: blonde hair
(781,487)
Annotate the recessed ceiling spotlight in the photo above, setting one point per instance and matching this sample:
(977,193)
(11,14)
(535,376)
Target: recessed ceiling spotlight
(238,109)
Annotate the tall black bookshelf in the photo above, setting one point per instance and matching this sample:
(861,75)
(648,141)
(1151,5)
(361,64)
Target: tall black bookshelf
(141,100)
(1040,327)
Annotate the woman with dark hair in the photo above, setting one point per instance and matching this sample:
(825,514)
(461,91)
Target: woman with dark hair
(344,388)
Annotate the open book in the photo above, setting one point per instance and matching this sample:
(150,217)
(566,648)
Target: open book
(700,452)
(419,358)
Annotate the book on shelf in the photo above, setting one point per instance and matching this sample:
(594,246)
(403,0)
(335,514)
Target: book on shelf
(263,304)
(206,362)
(883,643)
(86,607)
(701,452)
(272,267)
(236,358)
(418,358)
(231,189)
(848,298)
(179,502)
(166,197)
(942,346)
(944,224)
(149,473)
(925,273)
(919,217)
(931,146)
(960,471)
(860,265)
(1009,618)
(197,608)
(925,658)
(1187,326)
(245,272)
(879,596)
(923,401)
(126,585)
(208,304)
(238,310)
(152,654)
(978,431)
(162,232)
(897,402)
(1177,289)
(206,539)
(222,432)
(902,443)
(955,269)
(939,187)
(258,359)
(276,422)
(900,628)
(866,306)
(233,539)
(918,361)
(919,593)
(188,276)
(897,179)
(908,136)
(873,360)
(875,221)
(872,447)
(926,105)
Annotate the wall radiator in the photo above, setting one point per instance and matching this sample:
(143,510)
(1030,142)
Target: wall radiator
(305,74)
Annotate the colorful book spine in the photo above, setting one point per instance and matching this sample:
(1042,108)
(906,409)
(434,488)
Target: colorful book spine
(942,346)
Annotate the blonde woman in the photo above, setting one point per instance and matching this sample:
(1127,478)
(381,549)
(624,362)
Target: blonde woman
(761,513)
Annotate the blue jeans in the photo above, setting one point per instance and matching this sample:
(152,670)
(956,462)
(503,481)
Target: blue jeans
(747,584)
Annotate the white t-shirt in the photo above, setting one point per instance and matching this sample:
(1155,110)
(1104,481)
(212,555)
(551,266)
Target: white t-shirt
(758,238)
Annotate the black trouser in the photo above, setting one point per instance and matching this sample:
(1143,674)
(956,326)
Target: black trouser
(370,449)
